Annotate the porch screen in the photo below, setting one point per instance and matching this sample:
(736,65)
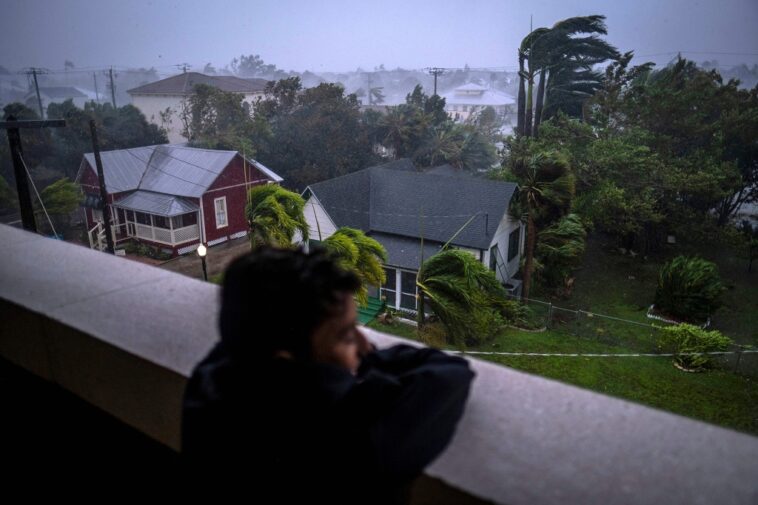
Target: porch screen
(389,290)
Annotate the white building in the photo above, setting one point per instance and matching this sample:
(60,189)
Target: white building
(163,102)
(472,98)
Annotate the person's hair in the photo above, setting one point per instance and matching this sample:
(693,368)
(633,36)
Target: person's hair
(273,299)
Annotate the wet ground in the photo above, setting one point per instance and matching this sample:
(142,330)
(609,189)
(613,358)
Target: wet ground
(218,258)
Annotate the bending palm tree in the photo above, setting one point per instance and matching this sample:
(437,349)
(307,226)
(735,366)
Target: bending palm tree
(546,187)
(363,255)
(557,51)
(275,216)
(462,293)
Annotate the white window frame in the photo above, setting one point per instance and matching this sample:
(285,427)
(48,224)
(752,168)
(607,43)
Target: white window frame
(226,212)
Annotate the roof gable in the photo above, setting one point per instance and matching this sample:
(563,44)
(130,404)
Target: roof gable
(184,83)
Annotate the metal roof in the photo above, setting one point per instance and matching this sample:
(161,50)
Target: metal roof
(171,169)
(156,203)
(123,169)
(183,171)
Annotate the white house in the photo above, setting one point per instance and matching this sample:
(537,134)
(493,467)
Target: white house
(56,94)
(396,205)
(162,102)
(471,98)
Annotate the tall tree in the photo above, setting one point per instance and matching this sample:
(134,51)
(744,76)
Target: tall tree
(546,189)
(316,133)
(563,60)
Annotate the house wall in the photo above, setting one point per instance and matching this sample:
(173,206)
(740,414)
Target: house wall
(152,106)
(504,228)
(90,184)
(230,184)
(318,220)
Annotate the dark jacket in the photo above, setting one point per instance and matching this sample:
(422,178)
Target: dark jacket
(303,431)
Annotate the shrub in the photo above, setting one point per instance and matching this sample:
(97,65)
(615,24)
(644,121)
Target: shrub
(684,339)
(688,288)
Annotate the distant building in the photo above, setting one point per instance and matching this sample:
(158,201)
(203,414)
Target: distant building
(162,102)
(471,98)
(56,94)
(171,197)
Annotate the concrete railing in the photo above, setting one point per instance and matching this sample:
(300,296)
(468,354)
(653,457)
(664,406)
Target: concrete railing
(125,336)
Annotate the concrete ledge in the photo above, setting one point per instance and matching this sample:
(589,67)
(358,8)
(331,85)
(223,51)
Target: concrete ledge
(125,336)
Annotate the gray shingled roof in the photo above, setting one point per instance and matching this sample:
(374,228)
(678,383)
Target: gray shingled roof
(169,169)
(390,198)
(156,203)
(405,252)
(183,84)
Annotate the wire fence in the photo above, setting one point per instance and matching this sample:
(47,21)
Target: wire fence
(631,338)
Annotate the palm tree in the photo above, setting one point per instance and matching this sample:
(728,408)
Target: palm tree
(353,250)
(275,216)
(546,188)
(462,293)
(558,51)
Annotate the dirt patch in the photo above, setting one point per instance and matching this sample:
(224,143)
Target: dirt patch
(218,258)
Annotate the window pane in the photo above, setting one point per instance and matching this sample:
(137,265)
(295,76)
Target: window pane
(493,257)
(513,244)
(408,302)
(220,212)
(408,282)
(390,283)
(390,295)
(160,222)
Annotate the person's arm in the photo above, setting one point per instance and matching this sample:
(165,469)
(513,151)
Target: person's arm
(422,394)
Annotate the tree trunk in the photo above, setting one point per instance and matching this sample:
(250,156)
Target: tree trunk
(530,243)
(528,111)
(521,96)
(540,101)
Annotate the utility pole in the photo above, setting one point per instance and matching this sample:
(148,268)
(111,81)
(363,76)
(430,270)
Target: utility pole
(103,193)
(370,99)
(435,71)
(19,167)
(33,72)
(97,95)
(184,67)
(113,88)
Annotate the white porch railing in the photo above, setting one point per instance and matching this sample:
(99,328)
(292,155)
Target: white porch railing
(167,236)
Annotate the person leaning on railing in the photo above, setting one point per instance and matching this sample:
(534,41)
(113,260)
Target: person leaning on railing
(295,403)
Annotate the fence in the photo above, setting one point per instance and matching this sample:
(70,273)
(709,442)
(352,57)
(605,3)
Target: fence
(628,336)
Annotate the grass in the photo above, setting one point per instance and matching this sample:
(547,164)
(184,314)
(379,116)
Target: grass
(623,287)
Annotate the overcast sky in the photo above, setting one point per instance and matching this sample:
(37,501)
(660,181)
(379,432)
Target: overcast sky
(336,35)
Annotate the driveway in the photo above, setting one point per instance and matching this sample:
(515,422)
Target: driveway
(218,258)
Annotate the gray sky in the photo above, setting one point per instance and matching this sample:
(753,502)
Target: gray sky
(336,35)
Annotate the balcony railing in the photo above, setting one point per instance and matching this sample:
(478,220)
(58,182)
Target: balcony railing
(68,316)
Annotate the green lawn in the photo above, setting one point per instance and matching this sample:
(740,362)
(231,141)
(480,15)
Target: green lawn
(623,287)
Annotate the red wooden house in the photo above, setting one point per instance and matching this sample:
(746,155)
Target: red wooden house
(171,196)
